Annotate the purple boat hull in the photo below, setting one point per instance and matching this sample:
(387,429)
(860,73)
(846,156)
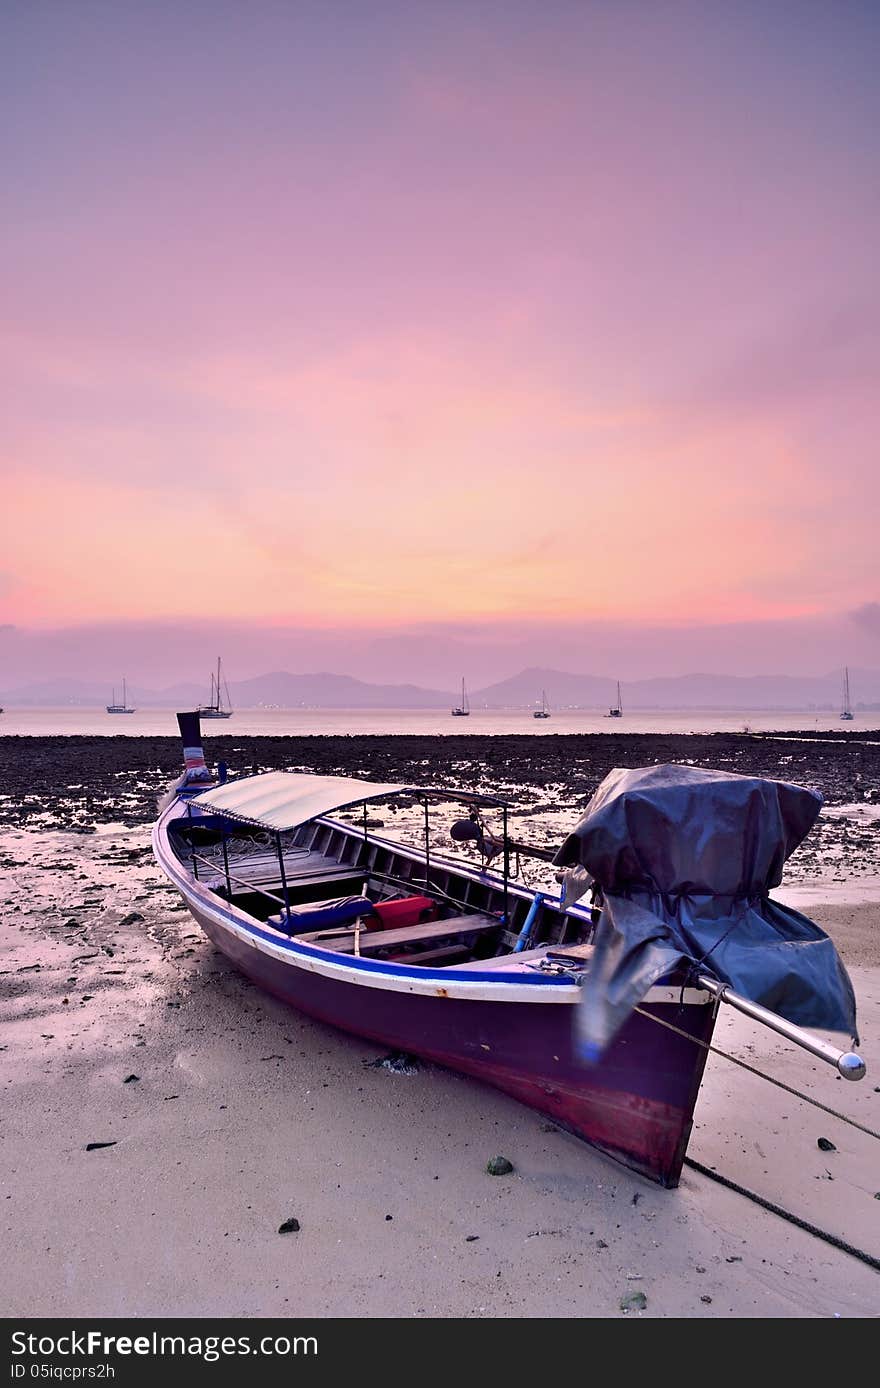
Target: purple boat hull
(636,1104)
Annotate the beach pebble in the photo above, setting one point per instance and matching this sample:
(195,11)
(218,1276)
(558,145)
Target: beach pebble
(290,1226)
(633,1301)
(93,1146)
(499,1166)
(825,1146)
(130,1079)
(131,918)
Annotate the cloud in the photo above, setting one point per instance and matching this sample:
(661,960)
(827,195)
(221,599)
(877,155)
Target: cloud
(867,618)
(821,354)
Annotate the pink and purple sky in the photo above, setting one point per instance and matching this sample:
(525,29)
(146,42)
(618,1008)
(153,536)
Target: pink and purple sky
(366,320)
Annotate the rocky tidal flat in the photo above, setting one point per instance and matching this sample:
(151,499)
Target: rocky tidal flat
(80,783)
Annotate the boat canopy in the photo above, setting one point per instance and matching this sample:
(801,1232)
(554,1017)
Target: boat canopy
(685,860)
(286,799)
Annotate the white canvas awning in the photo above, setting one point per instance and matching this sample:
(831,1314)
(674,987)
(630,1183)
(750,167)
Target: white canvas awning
(285,799)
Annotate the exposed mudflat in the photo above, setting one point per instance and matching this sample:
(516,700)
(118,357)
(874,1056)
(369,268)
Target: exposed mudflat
(77,783)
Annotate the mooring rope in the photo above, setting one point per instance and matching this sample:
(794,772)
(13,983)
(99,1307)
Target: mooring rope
(785,1214)
(752,1195)
(780,1084)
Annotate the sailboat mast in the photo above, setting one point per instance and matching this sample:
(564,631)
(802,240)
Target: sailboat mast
(846,712)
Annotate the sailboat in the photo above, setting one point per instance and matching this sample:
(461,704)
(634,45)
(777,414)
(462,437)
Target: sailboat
(617,711)
(113,707)
(543,711)
(846,712)
(464,707)
(216,708)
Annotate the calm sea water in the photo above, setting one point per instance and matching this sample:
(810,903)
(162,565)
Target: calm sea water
(158,722)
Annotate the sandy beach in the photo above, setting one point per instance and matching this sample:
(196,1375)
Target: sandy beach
(225,1114)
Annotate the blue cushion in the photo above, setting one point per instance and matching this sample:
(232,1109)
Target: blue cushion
(322,914)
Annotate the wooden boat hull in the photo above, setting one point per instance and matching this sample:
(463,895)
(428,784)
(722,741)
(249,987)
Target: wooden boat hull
(637,1105)
(512,1029)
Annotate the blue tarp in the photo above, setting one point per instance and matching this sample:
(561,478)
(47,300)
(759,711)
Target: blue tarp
(684,861)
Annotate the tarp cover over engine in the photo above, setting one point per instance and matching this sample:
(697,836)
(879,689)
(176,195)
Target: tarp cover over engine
(685,860)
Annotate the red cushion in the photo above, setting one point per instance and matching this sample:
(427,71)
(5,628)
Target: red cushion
(407,910)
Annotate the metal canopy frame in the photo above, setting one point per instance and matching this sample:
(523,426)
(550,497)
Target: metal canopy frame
(384,792)
(205,799)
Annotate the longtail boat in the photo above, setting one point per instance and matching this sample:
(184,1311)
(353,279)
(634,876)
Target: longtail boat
(594,1004)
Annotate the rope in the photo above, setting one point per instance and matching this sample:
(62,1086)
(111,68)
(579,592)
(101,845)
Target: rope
(752,1195)
(435,891)
(780,1084)
(845,1247)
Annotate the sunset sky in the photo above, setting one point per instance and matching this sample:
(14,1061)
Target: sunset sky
(375,316)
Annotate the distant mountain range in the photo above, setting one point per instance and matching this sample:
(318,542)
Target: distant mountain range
(683,691)
(564,690)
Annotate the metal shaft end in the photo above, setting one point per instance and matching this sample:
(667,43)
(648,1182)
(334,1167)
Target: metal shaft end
(851,1066)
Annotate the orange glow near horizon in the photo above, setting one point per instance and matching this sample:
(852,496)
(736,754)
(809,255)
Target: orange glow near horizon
(414,537)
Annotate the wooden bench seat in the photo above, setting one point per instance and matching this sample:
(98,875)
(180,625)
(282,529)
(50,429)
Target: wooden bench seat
(375,941)
(260,868)
(310,876)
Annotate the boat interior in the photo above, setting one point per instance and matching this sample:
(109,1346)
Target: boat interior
(333,886)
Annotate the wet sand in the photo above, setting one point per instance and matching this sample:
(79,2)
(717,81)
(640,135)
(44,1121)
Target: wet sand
(244,1114)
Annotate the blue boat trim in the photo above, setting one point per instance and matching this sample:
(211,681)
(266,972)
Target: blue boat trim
(401,970)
